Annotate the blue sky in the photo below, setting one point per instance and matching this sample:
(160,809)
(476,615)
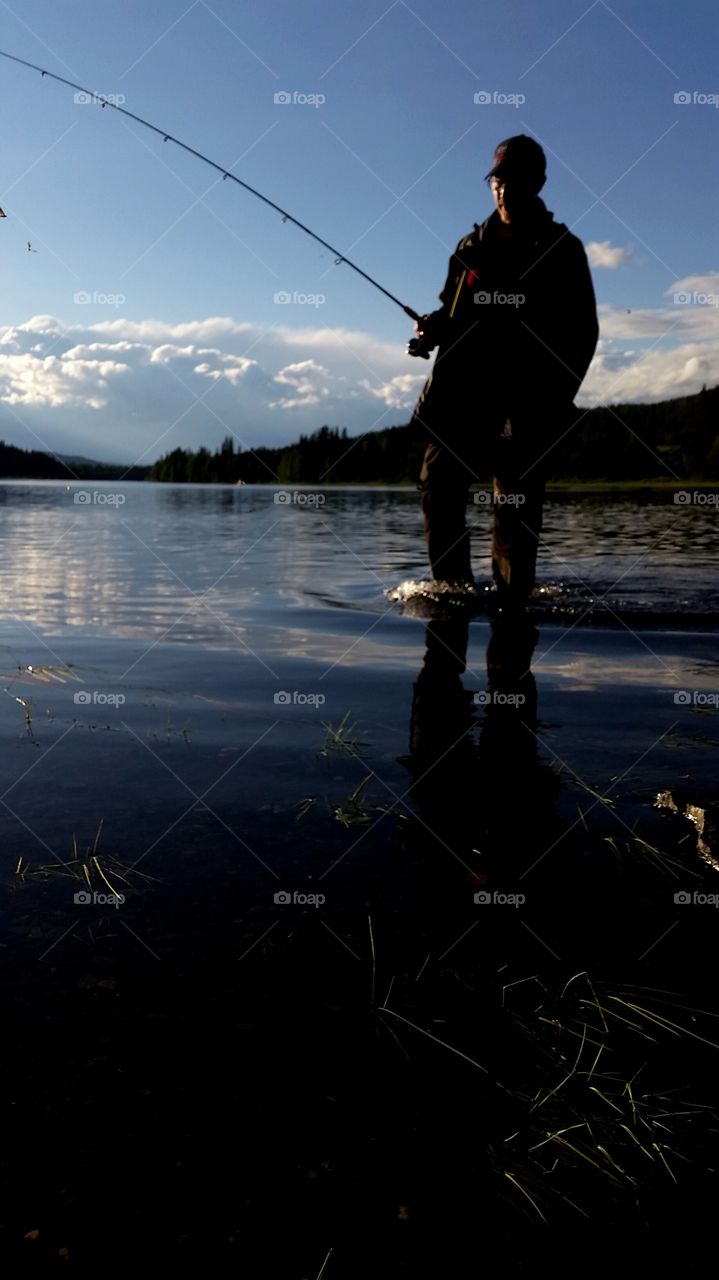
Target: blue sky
(182,339)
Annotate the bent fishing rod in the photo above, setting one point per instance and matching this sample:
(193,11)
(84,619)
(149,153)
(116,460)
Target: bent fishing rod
(106,101)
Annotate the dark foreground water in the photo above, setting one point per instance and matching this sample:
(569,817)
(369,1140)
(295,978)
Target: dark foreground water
(322,922)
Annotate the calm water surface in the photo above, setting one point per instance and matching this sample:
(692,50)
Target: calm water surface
(181,563)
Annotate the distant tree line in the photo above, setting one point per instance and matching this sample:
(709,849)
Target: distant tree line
(33,464)
(329,456)
(624,442)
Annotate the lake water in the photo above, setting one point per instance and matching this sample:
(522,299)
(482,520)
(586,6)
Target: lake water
(209,565)
(158,643)
(265,830)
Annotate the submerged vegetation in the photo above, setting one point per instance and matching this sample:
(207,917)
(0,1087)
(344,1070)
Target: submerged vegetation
(93,869)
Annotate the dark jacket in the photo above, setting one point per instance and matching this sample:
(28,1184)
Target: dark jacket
(517,325)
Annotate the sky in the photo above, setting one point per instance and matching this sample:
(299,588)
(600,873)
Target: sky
(146,304)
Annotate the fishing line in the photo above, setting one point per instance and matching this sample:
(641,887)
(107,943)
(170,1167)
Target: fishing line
(106,101)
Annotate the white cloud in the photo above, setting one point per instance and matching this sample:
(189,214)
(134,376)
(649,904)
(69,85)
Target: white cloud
(156,331)
(223,366)
(657,374)
(674,323)
(125,389)
(603,254)
(55,381)
(89,350)
(309,381)
(168,352)
(708,283)
(400,392)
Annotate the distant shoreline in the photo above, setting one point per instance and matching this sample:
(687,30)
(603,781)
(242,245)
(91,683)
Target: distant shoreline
(561,486)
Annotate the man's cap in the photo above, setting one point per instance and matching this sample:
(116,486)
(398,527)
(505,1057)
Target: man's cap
(519,155)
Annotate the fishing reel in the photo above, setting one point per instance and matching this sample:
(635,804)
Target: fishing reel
(416,347)
(427,335)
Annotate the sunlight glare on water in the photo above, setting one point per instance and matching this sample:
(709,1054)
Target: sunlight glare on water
(204,563)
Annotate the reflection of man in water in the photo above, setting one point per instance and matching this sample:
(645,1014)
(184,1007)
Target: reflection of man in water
(487,788)
(515,333)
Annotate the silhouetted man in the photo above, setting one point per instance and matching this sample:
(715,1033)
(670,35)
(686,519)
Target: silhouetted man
(515,333)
